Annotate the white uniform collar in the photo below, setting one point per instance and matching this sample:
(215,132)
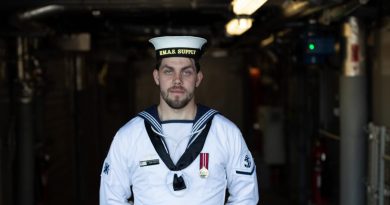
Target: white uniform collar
(203,114)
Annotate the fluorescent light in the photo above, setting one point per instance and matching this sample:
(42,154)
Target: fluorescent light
(40,11)
(246,7)
(238,26)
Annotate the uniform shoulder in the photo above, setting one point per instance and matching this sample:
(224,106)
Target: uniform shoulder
(131,128)
(222,121)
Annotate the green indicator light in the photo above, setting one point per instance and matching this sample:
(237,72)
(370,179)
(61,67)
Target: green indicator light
(312,46)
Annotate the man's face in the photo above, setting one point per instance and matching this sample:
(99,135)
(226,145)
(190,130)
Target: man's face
(177,78)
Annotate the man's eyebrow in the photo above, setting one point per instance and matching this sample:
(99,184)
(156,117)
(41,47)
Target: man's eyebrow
(167,67)
(187,67)
(172,68)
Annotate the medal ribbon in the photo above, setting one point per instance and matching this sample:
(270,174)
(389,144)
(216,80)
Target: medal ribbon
(204,160)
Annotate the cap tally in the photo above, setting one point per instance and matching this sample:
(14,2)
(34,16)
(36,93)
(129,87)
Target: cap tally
(178,46)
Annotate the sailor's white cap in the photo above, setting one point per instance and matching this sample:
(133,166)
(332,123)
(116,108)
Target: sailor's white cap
(185,46)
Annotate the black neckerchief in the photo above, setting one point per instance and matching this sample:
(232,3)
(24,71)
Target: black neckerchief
(188,156)
(202,120)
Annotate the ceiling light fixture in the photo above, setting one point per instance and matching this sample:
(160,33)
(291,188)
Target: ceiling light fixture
(41,11)
(238,25)
(246,7)
(292,8)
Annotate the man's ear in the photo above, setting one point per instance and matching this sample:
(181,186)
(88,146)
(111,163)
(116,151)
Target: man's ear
(155,77)
(199,78)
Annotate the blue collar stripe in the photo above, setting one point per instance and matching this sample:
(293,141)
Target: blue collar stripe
(201,123)
(204,113)
(203,119)
(193,138)
(152,120)
(164,143)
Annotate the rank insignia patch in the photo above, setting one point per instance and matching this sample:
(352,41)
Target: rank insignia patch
(247,161)
(106,168)
(247,166)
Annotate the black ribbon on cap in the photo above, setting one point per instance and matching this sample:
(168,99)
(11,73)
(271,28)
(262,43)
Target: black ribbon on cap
(178,52)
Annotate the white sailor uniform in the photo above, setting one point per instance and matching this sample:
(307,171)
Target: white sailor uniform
(164,169)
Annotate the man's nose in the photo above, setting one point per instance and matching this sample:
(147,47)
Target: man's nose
(177,79)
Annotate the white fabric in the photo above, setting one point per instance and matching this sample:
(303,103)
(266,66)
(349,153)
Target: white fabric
(230,166)
(177,136)
(177,42)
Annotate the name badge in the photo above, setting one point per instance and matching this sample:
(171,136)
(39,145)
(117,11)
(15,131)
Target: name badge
(149,162)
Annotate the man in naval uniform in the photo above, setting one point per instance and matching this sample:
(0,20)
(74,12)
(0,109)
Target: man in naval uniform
(178,152)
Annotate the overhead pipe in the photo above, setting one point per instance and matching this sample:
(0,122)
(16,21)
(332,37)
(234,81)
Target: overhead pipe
(25,21)
(338,12)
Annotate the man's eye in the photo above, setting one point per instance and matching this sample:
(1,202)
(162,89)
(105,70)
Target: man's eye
(187,72)
(167,72)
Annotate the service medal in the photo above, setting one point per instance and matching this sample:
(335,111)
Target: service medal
(204,165)
(204,173)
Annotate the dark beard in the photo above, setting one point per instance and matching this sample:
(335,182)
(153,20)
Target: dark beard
(176,104)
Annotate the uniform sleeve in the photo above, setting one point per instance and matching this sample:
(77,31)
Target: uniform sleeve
(115,178)
(241,173)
